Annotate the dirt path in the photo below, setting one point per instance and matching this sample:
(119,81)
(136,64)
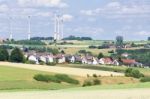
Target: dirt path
(63,70)
(98,94)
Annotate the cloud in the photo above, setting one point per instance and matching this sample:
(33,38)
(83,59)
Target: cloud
(87,12)
(67,17)
(44,14)
(42,3)
(116,10)
(143,33)
(89,30)
(4,8)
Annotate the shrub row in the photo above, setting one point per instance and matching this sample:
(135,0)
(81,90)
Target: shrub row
(91,82)
(58,78)
(130,72)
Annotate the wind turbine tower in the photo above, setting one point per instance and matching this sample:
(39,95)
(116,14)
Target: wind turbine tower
(29,27)
(11,35)
(57,28)
(62,28)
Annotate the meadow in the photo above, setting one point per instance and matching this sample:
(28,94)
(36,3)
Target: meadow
(22,79)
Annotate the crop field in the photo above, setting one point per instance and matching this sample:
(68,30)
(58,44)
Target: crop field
(22,79)
(145,71)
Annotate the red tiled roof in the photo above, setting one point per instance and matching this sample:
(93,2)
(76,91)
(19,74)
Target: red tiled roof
(107,60)
(128,61)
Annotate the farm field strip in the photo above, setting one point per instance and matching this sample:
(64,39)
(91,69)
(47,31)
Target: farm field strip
(62,70)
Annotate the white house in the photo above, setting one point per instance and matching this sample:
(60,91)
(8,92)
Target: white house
(115,62)
(60,58)
(72,60)
(43,59)
(33,58)
(95,61)
(50,58)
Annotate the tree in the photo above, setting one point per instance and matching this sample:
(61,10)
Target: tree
(119,41)
(100,55)
(17,56)
(4,55)
(62,52)
(148,38)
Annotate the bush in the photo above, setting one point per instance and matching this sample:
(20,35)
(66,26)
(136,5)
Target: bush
(51,64)
(112,51)
(130,72)
(40,77)
(145,79)
(41,63)
(30,62)
(94,75)
(87,83)
(96,82)
(91,82)
(66,78)
(58,78)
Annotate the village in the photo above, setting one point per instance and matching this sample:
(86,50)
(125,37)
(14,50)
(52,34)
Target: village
(48,58)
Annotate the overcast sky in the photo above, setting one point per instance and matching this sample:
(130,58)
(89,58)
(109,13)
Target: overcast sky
(99,19)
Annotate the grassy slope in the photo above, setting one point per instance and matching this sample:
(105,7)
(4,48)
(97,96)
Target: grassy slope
(21,79)
(110,87)
(145,71)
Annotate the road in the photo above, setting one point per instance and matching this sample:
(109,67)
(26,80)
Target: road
(62,70)
(93,94)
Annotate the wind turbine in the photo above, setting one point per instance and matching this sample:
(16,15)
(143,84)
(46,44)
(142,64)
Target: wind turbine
(29,27)
(55,27)
(62,28)
(11,35)
(58,27)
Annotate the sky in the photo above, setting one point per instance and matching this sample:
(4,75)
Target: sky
(99,19)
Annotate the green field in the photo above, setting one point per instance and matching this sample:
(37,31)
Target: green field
(22,79)
(145,71)
(112,87)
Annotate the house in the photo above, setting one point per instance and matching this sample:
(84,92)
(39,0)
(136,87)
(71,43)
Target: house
(127,46)
(129,62)
(137,64)
(125,55)
(1,40)
(50,58)
(116,63)
(95,61)
(89,60)
(78,59)
(33,58)
(106,61)
(60,58)
(43,58)
(73,59)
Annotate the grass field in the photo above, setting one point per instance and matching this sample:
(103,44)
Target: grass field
(145,71)
(109,87)
(12,78)
(22,79)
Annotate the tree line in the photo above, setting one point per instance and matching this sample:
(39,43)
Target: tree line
(77,38)
(16,55)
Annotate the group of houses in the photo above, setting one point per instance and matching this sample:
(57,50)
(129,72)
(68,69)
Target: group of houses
(82,59)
